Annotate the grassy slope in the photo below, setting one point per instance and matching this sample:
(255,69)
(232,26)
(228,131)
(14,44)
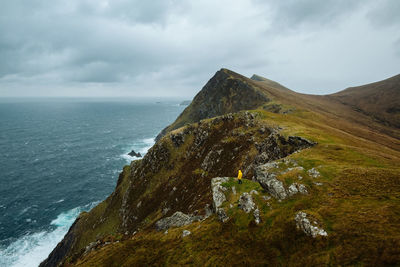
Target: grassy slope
(381,100)
(359,202)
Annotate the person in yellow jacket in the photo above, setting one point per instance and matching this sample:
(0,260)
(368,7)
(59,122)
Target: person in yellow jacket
(240,176)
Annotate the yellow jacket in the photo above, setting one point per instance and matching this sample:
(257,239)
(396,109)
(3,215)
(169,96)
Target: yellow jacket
(240,175)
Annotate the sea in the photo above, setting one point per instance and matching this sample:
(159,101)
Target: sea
(62,156)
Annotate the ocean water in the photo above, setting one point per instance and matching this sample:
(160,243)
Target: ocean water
(59,157)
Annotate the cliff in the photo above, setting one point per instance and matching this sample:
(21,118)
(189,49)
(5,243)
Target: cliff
(319,188)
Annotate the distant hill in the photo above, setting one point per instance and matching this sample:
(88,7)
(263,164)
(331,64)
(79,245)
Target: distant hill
(380,100)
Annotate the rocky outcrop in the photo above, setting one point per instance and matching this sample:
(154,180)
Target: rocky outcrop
(176,220)
(219,197)
(269,181)
(310,228)
(276,146)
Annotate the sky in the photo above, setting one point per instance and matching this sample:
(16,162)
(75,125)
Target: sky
(171,48)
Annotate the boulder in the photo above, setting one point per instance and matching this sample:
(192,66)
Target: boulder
(311,229)
(269,181)
(218,191)
(219,197)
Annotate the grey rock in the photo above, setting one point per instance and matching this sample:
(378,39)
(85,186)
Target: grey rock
(176,220)
(310,229)
(256,214)
(246,202)
(222,215)
(253,192)
(266,197)
(269,181)
(218,191)
(296,188)
(165,210)
(314,173)
(208,211)
(185,233)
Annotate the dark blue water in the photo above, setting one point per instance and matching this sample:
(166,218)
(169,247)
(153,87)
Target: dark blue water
(59,157)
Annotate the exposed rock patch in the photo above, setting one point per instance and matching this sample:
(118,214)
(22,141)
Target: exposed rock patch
(176,220)
(219,197)
(269,181)
(303,222)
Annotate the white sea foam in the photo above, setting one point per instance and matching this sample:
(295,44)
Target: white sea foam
(32,249)
(141,146)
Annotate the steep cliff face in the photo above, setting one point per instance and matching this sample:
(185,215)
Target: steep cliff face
(313,193)
(225,92)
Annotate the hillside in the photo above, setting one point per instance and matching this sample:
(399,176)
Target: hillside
(322,187)
(381,100)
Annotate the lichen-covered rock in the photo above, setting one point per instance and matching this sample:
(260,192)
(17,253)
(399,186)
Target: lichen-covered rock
(269,181)
(246,202)
(218,191)
(296,188)
(219,197)
(304,223)
(314,173)
(176,220)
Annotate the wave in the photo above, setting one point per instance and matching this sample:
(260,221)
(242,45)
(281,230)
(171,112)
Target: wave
(33,248)
(141,146)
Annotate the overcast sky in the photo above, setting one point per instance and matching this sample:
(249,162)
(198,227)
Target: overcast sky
(172,48)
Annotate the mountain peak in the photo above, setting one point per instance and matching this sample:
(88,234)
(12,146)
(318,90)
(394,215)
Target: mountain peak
(226,92)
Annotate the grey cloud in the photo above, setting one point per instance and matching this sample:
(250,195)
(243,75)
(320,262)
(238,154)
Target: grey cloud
(386,13)
(172,47)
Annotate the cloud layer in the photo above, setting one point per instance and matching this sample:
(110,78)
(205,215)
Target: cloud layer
(171,48)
